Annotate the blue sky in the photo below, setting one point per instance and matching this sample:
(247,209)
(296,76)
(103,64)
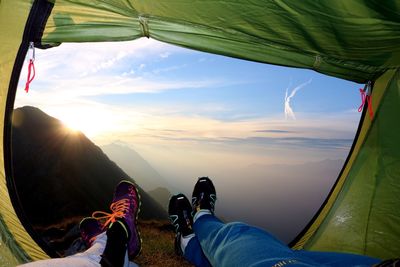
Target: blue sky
(251,89)
(150,95)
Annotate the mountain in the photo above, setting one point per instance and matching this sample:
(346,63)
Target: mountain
(60,176)
(135,166)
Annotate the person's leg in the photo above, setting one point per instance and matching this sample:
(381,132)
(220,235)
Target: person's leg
(194,253)
(122,235)
(186,243)
(238,244)
(115,249)
(89,258)
(235,244)
(118,233)
(338,259)
(125,209)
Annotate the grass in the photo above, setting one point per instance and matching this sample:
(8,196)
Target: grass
(158,245)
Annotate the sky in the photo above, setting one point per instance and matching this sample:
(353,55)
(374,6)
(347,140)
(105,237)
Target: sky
(190,113)
(147,92)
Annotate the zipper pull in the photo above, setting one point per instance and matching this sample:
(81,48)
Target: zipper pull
(31,66)
(366,97)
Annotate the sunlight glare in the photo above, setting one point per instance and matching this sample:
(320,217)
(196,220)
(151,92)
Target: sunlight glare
(91,122)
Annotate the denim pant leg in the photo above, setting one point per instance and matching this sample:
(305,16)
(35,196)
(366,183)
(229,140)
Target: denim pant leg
(194,254)
(338,259)
(238,244)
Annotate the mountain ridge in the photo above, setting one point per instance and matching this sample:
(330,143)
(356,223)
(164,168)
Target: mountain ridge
(59,174)
(134,165)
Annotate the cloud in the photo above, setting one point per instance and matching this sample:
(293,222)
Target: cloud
(74,71)
(298,142)
(142,66)
(273,131)
(311,132)
(169,139)
(291,142)
(288,109)
(165,55)
(131,72)
(81,59)
(63,90)
(168,69)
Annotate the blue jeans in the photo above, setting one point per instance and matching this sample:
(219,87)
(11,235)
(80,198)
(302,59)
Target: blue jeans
(238,244)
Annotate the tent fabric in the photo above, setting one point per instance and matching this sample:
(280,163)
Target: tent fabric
(362,215)
(355,40)
(19,245)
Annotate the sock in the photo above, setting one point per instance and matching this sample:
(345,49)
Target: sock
(184,241)
(200,213)
(117,240)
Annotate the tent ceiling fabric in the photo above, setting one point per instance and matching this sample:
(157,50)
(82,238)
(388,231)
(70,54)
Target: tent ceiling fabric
(355,40)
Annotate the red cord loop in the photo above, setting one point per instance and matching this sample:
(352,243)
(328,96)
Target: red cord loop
(366,98)
(31,71)
(362,92)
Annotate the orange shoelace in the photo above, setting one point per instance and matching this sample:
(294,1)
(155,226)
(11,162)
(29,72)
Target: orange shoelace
(118,209)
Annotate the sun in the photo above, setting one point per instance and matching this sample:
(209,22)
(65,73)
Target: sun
(90,122)
(89,127)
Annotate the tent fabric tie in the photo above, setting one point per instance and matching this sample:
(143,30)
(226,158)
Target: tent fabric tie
(31,67)
(366,97)
(144,26)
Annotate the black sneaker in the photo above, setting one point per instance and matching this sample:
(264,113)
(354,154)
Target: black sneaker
(180,214)
(204,195)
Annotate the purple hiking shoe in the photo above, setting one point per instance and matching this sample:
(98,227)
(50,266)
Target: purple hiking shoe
(126,205)
(90,229)
(125,208)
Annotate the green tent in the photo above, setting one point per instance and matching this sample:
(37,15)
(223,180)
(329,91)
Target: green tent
(357,40)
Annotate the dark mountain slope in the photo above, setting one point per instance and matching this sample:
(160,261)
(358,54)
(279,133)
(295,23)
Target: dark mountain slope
(60,175)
